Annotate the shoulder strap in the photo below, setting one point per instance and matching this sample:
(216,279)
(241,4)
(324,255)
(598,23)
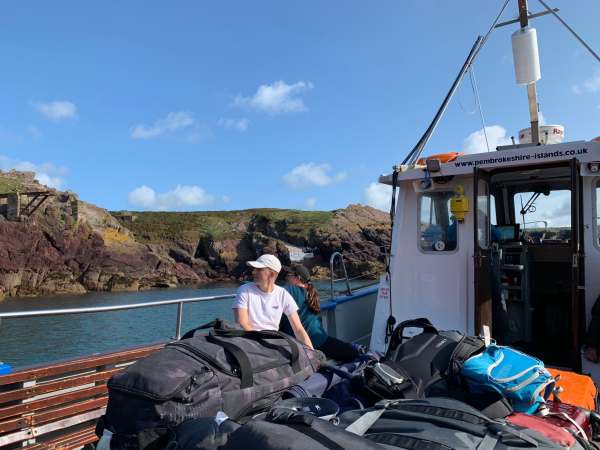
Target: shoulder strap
(245,368)
(315,435)
(407,442)
(467,347)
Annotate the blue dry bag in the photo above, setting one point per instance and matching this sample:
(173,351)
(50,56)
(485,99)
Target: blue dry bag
(521,378)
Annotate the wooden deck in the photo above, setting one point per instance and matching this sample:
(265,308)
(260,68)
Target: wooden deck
(57,406)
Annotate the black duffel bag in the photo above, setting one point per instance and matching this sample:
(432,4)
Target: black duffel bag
(231,370)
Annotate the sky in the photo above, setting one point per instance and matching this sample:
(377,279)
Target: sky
(197,105)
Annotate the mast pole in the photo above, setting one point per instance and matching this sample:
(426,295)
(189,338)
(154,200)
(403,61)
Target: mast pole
(531,88)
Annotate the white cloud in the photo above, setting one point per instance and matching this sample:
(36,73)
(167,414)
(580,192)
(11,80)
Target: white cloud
(378,196)
(591,85)
(180,198)
(276,98)
(171,123)
(57,110)
(311,175)
(310,203)
(234,124)
(475,142)
(47,174)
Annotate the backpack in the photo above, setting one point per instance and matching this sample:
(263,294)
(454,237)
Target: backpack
(231,370)
(441,424)
(521,378)
(431,356)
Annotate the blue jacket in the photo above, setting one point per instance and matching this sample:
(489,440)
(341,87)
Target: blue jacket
(310,321)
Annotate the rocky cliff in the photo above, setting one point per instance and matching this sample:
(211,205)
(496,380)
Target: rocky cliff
(69,246)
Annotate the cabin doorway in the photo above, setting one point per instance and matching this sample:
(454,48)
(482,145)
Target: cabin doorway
(528,268)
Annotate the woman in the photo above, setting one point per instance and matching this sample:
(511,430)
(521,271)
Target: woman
(299,285)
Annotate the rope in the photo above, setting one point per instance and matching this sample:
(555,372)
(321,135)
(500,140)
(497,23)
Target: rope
(478,102)
(594,54)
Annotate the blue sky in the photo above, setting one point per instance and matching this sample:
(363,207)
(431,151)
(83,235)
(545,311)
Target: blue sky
(195,105)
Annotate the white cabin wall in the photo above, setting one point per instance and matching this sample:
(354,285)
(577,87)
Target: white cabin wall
(437,285)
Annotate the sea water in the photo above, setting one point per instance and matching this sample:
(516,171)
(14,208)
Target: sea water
(37,340)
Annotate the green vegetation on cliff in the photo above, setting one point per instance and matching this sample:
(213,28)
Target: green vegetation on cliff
(154,227)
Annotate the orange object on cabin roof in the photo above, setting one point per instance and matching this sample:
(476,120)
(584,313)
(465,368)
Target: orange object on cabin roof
(443,157)
(578,390)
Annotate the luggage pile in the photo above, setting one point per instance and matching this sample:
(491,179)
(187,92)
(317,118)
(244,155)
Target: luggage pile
(231,389)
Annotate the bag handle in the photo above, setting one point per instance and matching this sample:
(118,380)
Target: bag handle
(217,324)
(267,334)
(245,368)
(398,335)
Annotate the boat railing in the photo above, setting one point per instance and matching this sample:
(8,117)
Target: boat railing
(98,309)
(332,259)
(338,256)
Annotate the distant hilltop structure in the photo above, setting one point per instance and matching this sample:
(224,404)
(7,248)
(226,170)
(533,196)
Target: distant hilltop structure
(21,195)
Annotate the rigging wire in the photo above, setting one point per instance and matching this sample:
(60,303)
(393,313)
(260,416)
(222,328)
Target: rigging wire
(478,102)
(573,32)
(414,154)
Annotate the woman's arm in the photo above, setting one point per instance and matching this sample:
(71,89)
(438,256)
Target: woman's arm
(299,330)
(241,317)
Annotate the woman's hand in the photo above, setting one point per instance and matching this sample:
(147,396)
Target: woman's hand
(299,330)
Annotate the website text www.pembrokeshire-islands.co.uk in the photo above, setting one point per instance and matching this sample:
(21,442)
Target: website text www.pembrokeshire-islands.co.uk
(537,155)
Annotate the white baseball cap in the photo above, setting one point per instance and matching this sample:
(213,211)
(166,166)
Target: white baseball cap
(266,261)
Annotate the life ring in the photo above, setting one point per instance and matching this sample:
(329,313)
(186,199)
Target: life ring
(443,157)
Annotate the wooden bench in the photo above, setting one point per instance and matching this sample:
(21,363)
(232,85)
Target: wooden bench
(56,406)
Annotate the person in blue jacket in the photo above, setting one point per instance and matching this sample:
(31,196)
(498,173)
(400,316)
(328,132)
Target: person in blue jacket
(300,287)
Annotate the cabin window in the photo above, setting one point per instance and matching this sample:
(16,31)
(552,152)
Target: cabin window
(437,226)
(544,215)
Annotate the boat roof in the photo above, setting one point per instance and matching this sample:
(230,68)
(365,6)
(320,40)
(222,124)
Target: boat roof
(510,156)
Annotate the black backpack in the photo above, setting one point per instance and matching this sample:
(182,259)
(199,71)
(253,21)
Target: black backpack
(231,370)
(432,358)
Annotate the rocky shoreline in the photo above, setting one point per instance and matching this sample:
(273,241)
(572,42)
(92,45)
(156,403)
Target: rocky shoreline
(70,246)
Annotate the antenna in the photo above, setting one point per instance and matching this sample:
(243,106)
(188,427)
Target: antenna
(528,37)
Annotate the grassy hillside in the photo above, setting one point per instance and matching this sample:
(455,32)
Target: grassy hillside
(154,227)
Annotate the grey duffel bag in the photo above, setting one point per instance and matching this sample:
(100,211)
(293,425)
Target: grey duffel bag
(442,424)
(231,370)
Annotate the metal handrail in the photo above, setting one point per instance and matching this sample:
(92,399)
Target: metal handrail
(179,302)
(335,255)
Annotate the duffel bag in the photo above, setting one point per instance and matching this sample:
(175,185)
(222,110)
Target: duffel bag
(441,423)
(575,388)
(431,356)
(521,378)
(231,370)
(290,430)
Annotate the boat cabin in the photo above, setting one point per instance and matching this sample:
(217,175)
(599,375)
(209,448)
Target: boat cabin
(469,251)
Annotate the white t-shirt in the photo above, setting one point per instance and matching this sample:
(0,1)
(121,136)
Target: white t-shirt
(264,309)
